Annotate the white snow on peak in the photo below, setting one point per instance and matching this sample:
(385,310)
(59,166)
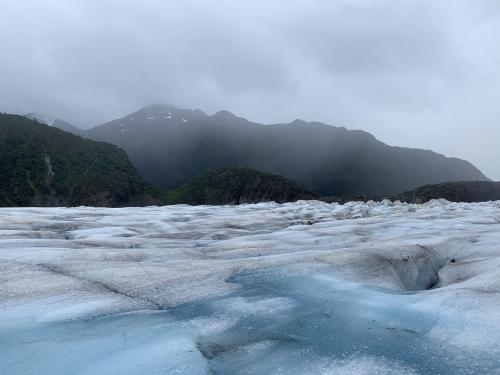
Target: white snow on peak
(184,120)
(150,118)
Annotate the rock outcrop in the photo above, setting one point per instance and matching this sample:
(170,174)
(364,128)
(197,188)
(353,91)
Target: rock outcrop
(467,191)
(237,186)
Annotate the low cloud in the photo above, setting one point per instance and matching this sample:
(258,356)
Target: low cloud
(420,73)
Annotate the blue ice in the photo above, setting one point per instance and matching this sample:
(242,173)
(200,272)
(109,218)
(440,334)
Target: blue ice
(279,322)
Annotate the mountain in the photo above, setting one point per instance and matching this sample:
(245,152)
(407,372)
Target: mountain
(169,146)
(55,122)
(237,186)
(464,191)
(41,165)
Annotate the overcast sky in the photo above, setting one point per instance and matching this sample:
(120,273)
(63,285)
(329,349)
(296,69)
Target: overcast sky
(413,73)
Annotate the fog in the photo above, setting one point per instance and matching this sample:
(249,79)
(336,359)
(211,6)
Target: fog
(420,73)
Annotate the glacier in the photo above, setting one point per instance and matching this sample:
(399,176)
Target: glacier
(296,288)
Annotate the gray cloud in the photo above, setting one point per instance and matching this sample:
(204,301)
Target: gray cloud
(420,73)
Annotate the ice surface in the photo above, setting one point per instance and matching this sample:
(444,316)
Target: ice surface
(306,287)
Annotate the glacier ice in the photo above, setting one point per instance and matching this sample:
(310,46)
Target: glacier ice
(306,287)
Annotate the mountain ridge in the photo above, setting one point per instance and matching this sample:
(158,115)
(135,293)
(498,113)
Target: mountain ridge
(55,122)
(169,146)
(41,165)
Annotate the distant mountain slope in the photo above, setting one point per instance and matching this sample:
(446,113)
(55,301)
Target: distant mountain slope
(466,191)
(170,145)
(237,186)
(55,122)
(44,166)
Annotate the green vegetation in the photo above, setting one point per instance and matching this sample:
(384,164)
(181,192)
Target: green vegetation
(465,191)
(235,186)
(327,160)
(44,166)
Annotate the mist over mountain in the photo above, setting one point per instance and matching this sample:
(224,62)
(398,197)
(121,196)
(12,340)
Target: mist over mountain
(55,122)
(169,146)
(41,165)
